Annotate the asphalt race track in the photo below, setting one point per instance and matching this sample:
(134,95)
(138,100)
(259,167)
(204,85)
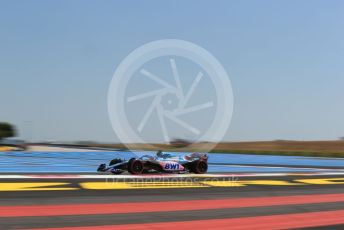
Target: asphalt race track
(307,194)
(244,202)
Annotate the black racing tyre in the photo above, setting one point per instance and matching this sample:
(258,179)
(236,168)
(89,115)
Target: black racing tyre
(115,161)
(135,166)
(199,167)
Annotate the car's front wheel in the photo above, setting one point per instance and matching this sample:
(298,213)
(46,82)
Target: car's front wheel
(135,166)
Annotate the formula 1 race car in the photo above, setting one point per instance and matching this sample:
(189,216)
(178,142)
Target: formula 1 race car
(162,162)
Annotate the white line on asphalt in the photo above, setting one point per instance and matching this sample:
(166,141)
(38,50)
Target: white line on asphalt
(109,176)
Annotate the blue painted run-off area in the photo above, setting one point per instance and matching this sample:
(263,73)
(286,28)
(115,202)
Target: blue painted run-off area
(86,162)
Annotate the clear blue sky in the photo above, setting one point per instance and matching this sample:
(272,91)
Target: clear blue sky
(285,59)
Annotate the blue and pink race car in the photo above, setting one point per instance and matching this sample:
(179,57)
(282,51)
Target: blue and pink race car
(161,162)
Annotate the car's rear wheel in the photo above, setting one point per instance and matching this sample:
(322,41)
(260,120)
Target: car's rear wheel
(135,166)
(199,167)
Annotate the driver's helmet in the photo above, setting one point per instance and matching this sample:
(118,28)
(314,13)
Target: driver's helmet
(159,153)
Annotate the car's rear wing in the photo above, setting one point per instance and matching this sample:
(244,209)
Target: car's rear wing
(200,156)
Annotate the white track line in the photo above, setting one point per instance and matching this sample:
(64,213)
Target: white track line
(109,176)
(279,167)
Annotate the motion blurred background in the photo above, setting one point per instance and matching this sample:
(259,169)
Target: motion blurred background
(284,58)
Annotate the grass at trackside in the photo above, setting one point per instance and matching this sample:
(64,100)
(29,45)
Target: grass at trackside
(283,148)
